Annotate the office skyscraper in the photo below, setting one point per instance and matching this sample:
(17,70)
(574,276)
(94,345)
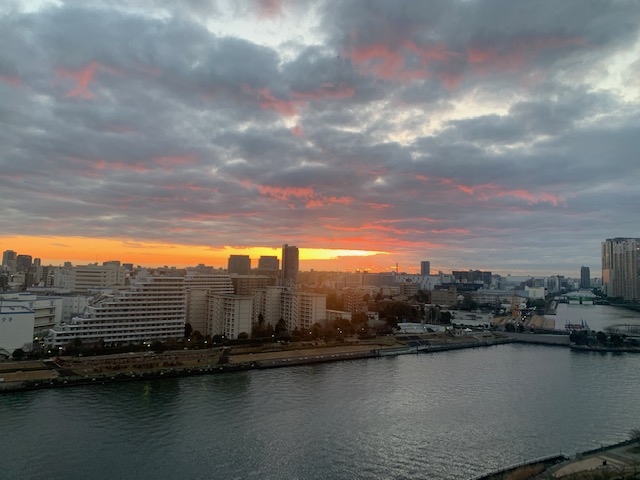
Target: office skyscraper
(240,264)
(9,259)
(425,267)
(267,262)
(585,277)
(290,265)
(621,268)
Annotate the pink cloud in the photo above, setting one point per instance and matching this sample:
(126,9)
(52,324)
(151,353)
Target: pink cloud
(270,8)
(286,193)
(321,201)
(306,194)
(489,190)
(269,102)
(297,131)
(378,206)
(82,78)
(11,80)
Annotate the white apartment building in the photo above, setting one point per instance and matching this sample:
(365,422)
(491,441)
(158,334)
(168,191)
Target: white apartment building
(16,328)
(95,277)
(47,310)
(229,315)
(268,303)
(312,308)
(198,286)
(299,310)
(154,308)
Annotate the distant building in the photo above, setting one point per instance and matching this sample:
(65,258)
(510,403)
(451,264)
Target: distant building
(448,296)
(247,284)
(95,277)
(9,260)
(290,265)
(239,264)
(621,268)
(23,263)
(269,263)
(425,267)
(472,276)
(585,277)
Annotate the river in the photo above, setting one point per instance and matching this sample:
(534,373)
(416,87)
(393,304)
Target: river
(598,317)
(449,415)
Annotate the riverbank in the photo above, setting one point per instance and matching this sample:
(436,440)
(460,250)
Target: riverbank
(617,461)
(72,371)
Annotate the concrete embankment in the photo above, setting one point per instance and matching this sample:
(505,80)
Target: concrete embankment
(80,375)
(539,339)
(620,457)
(534,467)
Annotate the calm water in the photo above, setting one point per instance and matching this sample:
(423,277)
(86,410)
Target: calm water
(598,317)
(445,416)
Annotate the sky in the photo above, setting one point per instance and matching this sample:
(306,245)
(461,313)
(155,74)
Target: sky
(497,135)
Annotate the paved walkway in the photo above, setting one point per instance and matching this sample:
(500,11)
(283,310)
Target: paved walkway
(611,459)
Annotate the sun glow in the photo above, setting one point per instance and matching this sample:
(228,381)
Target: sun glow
(78,250)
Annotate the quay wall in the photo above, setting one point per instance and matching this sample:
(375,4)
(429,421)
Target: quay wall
(69,380)
(539,339)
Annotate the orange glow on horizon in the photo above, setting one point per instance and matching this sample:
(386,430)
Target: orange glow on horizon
(78,250)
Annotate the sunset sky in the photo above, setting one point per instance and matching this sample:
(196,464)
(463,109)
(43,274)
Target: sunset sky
(501,135)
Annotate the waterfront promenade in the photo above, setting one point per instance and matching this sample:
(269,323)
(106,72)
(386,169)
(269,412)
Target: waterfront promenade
(66,371)
(616,460)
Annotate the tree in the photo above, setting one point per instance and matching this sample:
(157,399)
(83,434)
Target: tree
(243,336)
(281,328)
(634,433)
(509,327)
(157,346)
(601,337)
(18,354)
(187,330)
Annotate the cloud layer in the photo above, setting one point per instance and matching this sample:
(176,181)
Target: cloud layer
(476,134)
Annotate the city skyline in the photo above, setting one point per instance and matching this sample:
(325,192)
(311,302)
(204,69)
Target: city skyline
(491,136)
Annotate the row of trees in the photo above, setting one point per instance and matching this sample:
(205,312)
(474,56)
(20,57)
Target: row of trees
(612,339)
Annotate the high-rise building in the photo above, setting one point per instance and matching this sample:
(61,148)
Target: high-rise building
(9,258)
(425,267)
(268,262)
(23,262)
(585,277)
(621,268)
(239,264)
(290,265)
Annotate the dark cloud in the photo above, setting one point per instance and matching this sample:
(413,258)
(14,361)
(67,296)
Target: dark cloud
(478,134)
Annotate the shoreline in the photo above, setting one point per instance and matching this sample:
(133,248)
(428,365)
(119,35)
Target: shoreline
(611,458)
(68,376)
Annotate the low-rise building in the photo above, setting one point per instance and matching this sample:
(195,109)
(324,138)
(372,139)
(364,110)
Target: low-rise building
(47,309)
(16,328)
